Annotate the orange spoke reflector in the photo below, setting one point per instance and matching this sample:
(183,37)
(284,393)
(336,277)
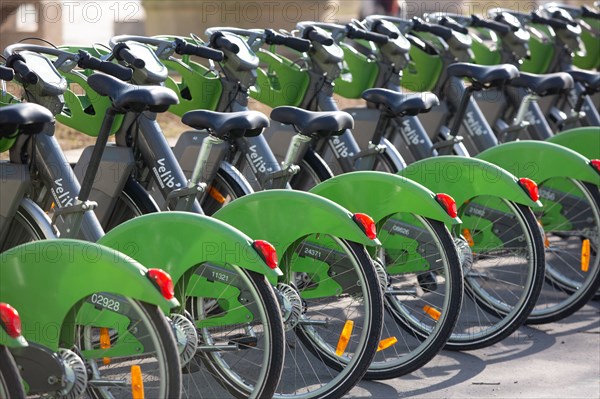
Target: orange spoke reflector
(216,195)
(585,255)
(386,343)
(432,312)
(467,234)
(137,384)
(344,338)
(104,343)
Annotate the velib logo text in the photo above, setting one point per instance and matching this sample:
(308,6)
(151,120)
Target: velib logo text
(164,175)
(62,196)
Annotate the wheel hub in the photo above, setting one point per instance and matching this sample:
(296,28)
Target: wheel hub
(75,378)
(465,254)
(186,337)
(291,305)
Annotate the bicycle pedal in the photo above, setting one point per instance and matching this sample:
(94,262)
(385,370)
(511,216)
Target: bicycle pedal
(243,341)
(427,281)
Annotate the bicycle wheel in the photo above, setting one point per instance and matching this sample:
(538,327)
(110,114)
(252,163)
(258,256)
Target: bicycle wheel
(240,331)
(424,286)
(127,346)
(504,278)
(423,295)
(226,372)
(570,219)
(312,369)
(10,379)
(29,224)
(335,315)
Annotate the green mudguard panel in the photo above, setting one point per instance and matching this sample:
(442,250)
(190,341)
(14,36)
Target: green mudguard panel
(381,195)
(540,161)
(284,216)
(48,280)
(179,241)
(465,178)
(584,140)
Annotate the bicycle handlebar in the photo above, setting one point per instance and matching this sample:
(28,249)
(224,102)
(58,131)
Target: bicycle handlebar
(314,36)
(87,61)
(122,53)
(587,12)
(183,48)
(6,73)
(453,25)
(495,26)
(421,26)
(219,41)
(553,23)
(380,28)
(17,63)
(355,33)
(295,43)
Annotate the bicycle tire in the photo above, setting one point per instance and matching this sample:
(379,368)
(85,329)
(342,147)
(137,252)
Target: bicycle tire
(419,339)
(27,225)
(217,364)
(158,345)
(134,201)
(298,361)
(508,257)
(571,215)
(10,378)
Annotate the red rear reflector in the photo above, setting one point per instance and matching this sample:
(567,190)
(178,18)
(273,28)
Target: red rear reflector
(595,164)
(163,281)
(10,320)
(530,187)
(367,224)
(448,203)
(267,252)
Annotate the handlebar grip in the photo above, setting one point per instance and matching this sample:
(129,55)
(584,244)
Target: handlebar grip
(535,18)
(497,27)
(183,48)
(355,33)
(453,25)
(6,73)
(587,12)
(380,28)
(295,43)
(122,53)
(118,71)
(441,31)
(219,41)
(17,63)
(314,36)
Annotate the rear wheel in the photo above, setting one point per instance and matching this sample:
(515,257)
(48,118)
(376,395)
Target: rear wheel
(422,279)
(503,270)
(27,225)
(571,222)
(127,347)
(10,379)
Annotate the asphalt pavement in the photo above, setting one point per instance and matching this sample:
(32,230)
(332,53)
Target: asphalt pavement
(556,360)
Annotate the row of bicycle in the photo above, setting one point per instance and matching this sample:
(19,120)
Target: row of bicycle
(304,251)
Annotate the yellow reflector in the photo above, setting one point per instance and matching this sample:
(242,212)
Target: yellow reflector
(386,343)
(344,338)
(432,312)
(104,343)
(216,195)
(585,255)
(137,384)
(467,234)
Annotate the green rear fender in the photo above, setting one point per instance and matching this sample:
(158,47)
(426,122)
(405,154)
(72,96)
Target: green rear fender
(540,161)
(465,178)
(381,195)
(45,280)
(179,241)
(284,216)
(584,140)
